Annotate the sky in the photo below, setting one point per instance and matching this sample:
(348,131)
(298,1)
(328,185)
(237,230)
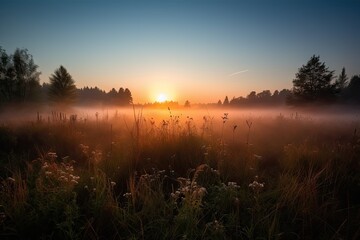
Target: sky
(196,50)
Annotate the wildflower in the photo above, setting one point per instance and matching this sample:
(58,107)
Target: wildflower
(202,191)
(48,173)
(127,195)
(84,148)
(62,178)
(257,157)
(45,166)
(215,226)
(86,187)
(74,181)
(233,184)
(94,189)
(11,179)
(52,155)
(256,186)
(113,184)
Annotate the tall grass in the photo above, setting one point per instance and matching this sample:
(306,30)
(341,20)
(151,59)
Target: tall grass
(178,177)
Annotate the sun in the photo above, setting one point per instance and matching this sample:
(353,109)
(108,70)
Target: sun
(161,98)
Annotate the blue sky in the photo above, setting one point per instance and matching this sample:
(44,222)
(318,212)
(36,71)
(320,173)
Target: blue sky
(186,49)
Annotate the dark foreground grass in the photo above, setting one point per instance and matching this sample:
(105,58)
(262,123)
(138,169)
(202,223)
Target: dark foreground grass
(175,178)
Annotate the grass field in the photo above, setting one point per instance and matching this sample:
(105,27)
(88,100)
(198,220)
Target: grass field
(185,174)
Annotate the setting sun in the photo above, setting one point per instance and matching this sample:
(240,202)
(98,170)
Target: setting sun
(161,98)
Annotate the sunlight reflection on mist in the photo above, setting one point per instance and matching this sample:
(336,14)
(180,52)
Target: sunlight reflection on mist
(14,115)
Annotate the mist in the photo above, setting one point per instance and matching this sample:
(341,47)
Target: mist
(17,114)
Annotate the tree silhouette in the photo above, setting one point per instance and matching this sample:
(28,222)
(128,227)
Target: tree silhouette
(251,97)
(62,87)
(313,82)
(19,77)
(226,101)
(95,95)
(353,90)
(341,82)
(6,78)
(128,96)
(26,75)
(264,96)
(187,104)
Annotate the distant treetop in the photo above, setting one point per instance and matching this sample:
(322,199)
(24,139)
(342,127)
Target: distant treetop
(62,87)
(313,83)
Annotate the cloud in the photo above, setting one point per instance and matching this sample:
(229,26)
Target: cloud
(239,72)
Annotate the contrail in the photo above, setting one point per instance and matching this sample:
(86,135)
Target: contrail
(236,73)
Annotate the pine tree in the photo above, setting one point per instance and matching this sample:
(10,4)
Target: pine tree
(353,90)
(313,82)
(128,96)
(62,87)
(341,82)
(187,104)
(226,101)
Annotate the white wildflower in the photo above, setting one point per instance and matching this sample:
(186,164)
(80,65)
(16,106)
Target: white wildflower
(127,195)
(257,156)
(202,191)
(74,181)
(233,184)
(255,185)
(11,179)
(52,155)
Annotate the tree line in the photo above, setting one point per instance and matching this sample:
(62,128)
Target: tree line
(314,84)
(264,98)
(20,83)
(96,95)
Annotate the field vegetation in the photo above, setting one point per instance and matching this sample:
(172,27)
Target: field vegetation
(163,174)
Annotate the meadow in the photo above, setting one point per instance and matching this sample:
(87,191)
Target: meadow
(179,174)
